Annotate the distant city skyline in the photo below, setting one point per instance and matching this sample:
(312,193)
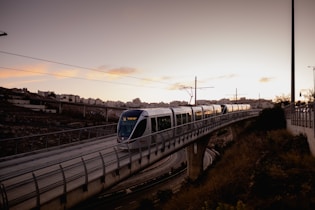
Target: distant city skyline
(71,98)
(153,50)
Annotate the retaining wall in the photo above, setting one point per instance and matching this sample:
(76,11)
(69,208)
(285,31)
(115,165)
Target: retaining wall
(308,132)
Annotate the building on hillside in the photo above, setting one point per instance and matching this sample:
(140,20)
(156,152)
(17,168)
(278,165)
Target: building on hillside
(91,101)
(99,102)
(27,104)
(69,98)
(46,94)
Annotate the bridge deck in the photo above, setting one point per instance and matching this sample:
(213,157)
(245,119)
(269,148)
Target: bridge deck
(61,178)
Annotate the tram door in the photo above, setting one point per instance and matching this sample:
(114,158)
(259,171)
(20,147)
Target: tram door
(153,130)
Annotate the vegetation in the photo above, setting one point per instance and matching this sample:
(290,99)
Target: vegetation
(271,119)
(266,168)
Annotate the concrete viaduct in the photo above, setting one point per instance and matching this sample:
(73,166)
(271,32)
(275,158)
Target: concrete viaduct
(62,178)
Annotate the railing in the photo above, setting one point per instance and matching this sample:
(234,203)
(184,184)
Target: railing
(105,166)
(301,115)
(14,146)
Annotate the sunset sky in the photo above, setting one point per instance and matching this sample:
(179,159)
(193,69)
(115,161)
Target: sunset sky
(153,50)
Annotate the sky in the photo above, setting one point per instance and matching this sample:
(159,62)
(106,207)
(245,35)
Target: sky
(120,50)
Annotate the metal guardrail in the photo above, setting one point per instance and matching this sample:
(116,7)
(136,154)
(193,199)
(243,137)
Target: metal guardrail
(301,115)
(34,187)
(31,143)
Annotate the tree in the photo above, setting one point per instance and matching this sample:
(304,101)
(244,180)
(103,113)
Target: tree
(272,119)
(309,95)
(136,101)
(283,99)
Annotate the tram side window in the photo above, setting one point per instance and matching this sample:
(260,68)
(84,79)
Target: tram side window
(178,119)
(207,114)
(140,129)
(153,125)
(198,116)
(164,122)
(184,116)
(189,117)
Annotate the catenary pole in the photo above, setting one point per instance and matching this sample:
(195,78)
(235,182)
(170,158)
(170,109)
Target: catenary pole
(292,59)
(195,90)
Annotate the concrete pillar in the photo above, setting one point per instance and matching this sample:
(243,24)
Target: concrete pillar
(196,151)
(84,111)
(106,113)
(60,108)
(195,155)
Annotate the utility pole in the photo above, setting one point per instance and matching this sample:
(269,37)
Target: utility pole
(196,90)
(236,94)
(292,59)
(191,94)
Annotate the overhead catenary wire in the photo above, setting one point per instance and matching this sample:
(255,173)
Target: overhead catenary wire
(73,77)
(78,66)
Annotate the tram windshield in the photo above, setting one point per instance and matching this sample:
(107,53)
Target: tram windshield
(127,123)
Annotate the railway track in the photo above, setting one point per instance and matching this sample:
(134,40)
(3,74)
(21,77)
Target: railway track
(128,196)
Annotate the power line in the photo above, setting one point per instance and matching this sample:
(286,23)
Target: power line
(77,66)
(72,77)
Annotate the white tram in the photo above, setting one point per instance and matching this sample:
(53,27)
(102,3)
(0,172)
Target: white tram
(138,123)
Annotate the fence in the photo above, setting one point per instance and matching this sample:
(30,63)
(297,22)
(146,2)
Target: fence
(14,146)
(301,115)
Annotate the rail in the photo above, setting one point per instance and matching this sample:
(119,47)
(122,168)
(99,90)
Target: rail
(33,187)
(301,115)
(31,143)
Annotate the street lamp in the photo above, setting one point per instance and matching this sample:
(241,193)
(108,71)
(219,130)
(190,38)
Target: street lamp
(3,33)
(313,67)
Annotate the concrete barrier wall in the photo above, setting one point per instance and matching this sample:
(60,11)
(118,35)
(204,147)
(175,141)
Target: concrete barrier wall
(308,132)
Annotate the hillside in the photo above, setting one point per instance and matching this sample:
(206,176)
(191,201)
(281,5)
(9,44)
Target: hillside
(16,121)
(261,170)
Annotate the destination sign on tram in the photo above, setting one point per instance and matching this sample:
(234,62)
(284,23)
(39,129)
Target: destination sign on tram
(130,118)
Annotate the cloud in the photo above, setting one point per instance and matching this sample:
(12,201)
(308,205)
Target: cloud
(23,71)
(65,73)
(228,76)
(123,71)
(265,79)
(155,80)
(166,78)
(222,77)
(115,72)
(21,83)
(178,86)
(36,70)
(93,75)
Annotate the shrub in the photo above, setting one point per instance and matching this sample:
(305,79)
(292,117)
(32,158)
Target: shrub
(146,204)
(272,118)
(164,195)
(269,170)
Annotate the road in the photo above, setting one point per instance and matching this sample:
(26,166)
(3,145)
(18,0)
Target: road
(21,176)
(122,196)
(47,171)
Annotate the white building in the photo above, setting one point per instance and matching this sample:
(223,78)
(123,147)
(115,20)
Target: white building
(69,98)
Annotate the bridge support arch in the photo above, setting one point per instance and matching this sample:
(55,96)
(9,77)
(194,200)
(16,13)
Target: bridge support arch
(195,153)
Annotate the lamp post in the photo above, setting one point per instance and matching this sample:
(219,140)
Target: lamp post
(313,67)
(292,58)
(3,33)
